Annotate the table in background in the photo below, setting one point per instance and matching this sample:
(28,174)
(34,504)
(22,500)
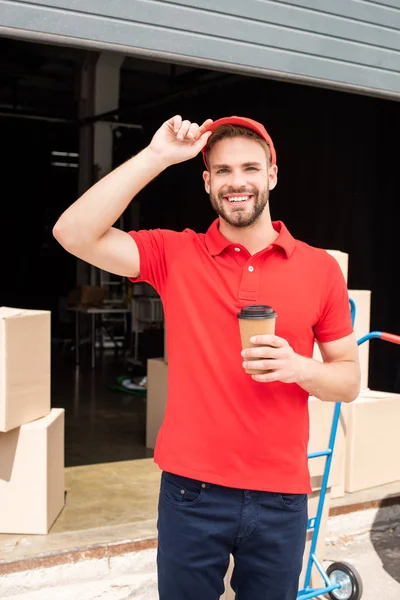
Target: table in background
(94,312)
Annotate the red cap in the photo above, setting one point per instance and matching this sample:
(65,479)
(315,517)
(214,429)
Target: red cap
(243,122)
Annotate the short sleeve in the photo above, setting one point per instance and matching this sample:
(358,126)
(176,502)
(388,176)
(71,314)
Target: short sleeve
(157,248)
(335,320)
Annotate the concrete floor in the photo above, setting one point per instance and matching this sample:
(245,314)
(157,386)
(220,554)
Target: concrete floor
(369,540)
(105,504)
(101,425)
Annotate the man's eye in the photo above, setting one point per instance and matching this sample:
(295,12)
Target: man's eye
(251,169)
(222,171)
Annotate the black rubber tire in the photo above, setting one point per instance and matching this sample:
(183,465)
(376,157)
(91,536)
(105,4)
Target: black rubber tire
(356,582)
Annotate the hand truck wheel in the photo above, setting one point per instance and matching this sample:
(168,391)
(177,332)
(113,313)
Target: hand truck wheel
(351,587)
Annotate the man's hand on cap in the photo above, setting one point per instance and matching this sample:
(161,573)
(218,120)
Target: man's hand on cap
(178,140)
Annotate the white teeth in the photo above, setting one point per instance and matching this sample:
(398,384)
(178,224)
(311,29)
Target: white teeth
(239,199)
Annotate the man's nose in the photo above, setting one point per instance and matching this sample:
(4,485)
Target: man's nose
(237,179)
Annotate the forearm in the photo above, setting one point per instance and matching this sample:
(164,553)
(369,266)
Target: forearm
(330,381)
(96,211)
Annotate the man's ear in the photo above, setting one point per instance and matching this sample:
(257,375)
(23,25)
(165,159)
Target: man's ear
(272,177)
(206,177)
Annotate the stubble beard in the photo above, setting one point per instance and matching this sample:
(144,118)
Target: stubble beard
(241,218)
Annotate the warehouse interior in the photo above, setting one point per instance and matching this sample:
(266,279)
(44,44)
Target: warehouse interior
(338,189)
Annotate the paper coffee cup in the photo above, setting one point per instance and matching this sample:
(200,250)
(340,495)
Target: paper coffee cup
(255,319)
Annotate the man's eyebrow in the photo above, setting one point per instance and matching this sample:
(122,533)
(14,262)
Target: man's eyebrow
(252,164)
(220,166)
(246,164)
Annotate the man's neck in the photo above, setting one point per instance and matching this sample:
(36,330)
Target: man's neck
(254,238)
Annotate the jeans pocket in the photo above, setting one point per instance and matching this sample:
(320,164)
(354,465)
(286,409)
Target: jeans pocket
(181,491)
(293,501)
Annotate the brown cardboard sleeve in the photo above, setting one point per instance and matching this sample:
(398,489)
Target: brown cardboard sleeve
(32,475)
(25,348)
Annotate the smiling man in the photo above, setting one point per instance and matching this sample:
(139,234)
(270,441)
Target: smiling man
(233,446)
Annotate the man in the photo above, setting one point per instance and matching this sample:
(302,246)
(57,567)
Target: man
(233,446)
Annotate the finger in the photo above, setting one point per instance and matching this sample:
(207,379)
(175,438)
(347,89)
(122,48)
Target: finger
(259,352)
(268,340)
(206,123)
(175,122)
(194,131)
(265,377)
(182,133)
(202,141)
(259,365)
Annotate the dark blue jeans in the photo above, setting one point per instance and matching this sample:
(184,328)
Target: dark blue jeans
(201,524)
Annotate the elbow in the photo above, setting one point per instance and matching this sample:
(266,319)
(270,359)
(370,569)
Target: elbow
(66,234)
(352,381)
(353,389)
(58,231)
(351,395)
(61,234)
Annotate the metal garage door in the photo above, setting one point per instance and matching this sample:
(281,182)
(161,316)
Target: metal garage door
(350,44)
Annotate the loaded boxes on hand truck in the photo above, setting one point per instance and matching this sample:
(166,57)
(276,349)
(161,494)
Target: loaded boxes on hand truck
(31,433)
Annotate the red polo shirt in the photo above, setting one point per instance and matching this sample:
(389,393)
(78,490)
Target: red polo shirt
(220,425)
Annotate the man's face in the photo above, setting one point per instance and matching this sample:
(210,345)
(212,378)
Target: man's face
(239,180)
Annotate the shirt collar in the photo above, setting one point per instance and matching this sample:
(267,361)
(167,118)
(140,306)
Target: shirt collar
(216,243)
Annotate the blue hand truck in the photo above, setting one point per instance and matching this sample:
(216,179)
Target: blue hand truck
(342,581)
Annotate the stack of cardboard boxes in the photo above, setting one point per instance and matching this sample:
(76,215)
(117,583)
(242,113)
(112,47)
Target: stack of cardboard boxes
(31,433)
(368,444)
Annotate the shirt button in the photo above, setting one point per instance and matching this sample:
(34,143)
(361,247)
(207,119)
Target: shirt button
(237,249)
(203,485)
(251,269)
(182,491)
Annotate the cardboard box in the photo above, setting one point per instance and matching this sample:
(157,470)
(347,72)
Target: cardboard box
(25,348)
(157,389)
(316,579)
(372,440)
(362,299)
(321,418)
(32,475)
